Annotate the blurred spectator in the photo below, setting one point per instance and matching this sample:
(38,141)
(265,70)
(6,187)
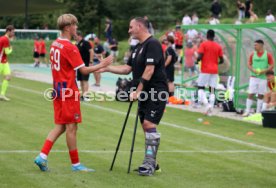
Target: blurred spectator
(36,51)
(164,44)
(42,51)
(269,17)
(108,29)
(191,34)
(150,26)
(114,49)
(253,17)
(99,53)
(190,58)
(241,9)
(195,19)
(106,48)
(216,9)
(87,54)
(248,8)
(186,20)
(178,39)
(213,21)
(170,59)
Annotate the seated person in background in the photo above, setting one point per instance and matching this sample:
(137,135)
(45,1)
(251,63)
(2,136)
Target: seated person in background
(270,96)
(253,17)
(269,17)
(213,20)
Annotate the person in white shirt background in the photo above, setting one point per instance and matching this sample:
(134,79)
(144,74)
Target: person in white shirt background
(186,20)
(269,17)
(213,21)
(195,19)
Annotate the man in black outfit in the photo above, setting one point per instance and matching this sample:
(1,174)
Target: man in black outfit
(248,8)
(216,9)
(148,68)
(170,59)
(87,56)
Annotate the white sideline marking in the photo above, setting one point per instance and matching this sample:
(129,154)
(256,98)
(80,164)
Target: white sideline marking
(170,125)
(161,151)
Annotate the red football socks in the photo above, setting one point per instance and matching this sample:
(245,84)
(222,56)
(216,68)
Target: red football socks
(74,156)
(47,147)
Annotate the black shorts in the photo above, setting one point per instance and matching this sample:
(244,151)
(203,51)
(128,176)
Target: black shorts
(36,55)
(178,46)
(170,74)
(81,77)
(152,110)
(41,55)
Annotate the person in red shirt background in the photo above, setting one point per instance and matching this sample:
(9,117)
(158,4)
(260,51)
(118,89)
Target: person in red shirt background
(36,52)
(178,40)
(208,53)
(65,60)
(42,51)
(190,57)
(5,50)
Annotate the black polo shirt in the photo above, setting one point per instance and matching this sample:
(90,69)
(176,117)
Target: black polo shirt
(84,48)
(149,53)
(170,52)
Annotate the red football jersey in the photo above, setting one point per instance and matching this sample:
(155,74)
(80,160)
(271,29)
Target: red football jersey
(36,46)
(211,52)
(178,38)
(42,49)
(4,43)
(65,60)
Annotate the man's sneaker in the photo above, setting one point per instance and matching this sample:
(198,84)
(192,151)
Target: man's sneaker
(157,169)
(147,168)
(82,168)
(41,163)
(4,98)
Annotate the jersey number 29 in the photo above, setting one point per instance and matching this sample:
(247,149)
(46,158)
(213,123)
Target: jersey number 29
(55,58)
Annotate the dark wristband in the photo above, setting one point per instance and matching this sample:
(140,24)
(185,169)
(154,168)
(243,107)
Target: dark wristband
(144,82)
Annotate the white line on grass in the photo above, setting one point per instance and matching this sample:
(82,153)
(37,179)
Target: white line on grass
(169,124)
(161,151)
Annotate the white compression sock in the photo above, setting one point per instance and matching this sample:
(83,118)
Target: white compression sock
(202,96)
(249,103)
(264,107)
(212,100)
(200,93)
(259,105)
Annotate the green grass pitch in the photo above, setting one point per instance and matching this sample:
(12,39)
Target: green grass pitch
(191,153)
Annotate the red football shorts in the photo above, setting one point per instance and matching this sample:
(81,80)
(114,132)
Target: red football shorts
(67,111)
